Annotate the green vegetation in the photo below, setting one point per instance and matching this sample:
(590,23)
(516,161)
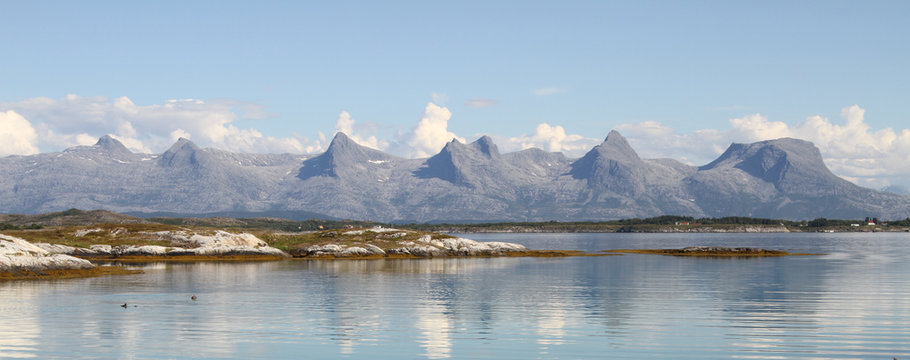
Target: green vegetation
(8,226)
(666,223)
(106,234)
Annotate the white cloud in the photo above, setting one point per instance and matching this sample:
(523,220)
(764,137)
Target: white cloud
(345,124)
(17,136)
(652,139)
(72,119)
(179,133)
(547,91)
(552,138)
(430,134)
(478,103)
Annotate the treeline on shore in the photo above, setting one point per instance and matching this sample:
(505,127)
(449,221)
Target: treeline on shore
(625,225)
(658,223)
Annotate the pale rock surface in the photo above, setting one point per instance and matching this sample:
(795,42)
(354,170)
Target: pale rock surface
(19,255)
(83,232)
(375,229)
(182,243)
(425,246)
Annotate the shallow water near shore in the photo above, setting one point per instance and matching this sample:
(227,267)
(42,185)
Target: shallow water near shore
(852,303)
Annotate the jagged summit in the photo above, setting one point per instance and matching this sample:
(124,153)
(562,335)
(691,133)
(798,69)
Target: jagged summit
(112,146)
(464,164)
(486,146)
(343,155)
(184,152)
(617,147)
(613,165)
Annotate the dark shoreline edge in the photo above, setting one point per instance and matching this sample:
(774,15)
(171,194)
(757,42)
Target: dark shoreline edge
(54,274)
(711,251)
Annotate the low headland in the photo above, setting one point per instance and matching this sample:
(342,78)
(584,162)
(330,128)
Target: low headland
(76,243)
(59,251)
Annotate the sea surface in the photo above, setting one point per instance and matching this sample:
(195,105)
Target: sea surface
(851,303)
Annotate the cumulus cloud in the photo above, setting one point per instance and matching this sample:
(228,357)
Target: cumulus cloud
(652,139)
(17,136)
(429,135)
(73,119)
(851,149)
(547,91)
(479,103)
(345,124)
(552,138)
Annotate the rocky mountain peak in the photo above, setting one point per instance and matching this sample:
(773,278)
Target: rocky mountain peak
(343,154)
(486,146)
(112,145)
(342,142)
(612,165)
(183,152)
(615,146)
(459,163)
(791,165)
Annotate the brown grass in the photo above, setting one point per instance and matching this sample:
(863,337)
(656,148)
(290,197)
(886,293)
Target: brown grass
(67,273)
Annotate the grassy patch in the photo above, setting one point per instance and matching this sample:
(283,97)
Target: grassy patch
(67,273)
(106,234)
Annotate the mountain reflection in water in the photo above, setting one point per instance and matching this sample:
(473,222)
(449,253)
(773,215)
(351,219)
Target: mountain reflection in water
(853,302)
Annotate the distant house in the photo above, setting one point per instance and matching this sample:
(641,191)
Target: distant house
(682,223)
(871,223)
(857,225)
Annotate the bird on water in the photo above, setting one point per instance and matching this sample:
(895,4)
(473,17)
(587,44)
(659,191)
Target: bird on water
(194,298)
(123,306)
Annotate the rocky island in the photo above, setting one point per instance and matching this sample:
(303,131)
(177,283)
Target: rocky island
(73,250)
(380,242)
(710,251)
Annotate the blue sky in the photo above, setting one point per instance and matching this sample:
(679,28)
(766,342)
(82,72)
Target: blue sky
(679,79)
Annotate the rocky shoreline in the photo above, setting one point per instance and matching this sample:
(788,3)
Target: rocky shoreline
(351,244)
(20,256)
(22,259)
(183,244)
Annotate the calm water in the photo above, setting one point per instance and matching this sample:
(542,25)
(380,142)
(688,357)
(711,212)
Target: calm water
(853,303)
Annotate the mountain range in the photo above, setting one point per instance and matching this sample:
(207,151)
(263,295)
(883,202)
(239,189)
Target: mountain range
(783,178)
